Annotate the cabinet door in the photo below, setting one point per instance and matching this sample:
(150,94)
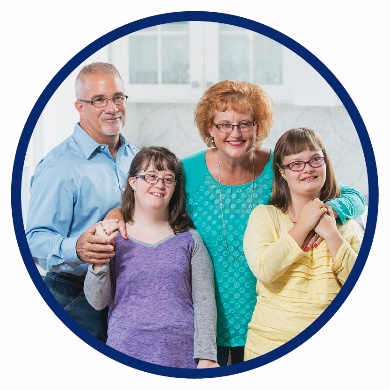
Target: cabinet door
(161,63)
(176,62)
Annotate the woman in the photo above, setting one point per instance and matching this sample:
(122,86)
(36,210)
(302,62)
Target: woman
(295,286)
(159,286)
(223,185)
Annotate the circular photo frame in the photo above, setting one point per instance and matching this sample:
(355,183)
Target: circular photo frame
(185,17)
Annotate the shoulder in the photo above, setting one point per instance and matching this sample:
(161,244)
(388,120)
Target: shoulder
(195,235)
(264,211)
(193,159)
(59,155)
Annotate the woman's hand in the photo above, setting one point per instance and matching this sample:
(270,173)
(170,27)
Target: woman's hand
(116,214)
(205,363)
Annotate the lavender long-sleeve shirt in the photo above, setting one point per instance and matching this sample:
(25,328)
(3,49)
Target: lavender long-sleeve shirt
(161,300)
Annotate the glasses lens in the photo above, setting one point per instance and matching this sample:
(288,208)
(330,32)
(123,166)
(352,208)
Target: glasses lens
(100,102)
(317,162)
(119,99)
(169,182)
(245,126)
(297,166)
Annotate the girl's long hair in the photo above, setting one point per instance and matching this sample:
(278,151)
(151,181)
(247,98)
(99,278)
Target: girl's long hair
(295,141)
(159,158)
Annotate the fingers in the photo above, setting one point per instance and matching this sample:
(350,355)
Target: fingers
(311,241)
(122,230)
(109,228)
(318,241)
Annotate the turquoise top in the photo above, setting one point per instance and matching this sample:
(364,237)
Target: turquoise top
(234,282)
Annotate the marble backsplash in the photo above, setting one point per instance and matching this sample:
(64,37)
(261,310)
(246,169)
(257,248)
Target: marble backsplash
(171,125)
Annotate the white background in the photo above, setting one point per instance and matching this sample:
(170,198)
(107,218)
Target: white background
(38,38)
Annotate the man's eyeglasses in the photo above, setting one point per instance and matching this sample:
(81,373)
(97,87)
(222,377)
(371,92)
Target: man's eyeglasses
(297,166)
(228,127)
(153,179)
(101,102)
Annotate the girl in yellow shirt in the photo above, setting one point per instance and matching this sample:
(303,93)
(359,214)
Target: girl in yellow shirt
(295,284)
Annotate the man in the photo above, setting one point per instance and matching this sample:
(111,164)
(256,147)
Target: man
(74,187)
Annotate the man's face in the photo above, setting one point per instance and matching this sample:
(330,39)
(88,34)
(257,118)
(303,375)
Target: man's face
(104,121)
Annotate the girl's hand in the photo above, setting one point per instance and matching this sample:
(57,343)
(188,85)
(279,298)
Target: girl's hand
(108,229)
(205,363)
(116,214)
(311,213)
(326,226)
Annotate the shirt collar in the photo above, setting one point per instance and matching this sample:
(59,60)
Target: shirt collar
(87,144)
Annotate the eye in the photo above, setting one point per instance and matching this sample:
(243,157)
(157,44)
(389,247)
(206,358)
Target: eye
(296,164)
(169,180)
(226,125)
(99,100)
(245,125)
(119,99)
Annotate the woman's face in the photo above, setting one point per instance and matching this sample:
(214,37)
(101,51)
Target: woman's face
(236,143)
(308,181)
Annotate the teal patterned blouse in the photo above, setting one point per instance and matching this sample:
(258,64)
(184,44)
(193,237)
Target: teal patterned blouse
(234,282)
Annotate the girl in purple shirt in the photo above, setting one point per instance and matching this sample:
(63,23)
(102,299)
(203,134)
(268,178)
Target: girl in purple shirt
(159,286)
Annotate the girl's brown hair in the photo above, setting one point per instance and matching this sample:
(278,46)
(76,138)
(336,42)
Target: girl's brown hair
(159,158)
(295,141)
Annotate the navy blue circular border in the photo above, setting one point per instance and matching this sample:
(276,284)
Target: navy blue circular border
(208,17)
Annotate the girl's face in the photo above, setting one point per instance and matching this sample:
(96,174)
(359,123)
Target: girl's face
(302,178)
(236,143)
(154,189)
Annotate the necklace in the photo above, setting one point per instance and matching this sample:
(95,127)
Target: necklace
(222,207)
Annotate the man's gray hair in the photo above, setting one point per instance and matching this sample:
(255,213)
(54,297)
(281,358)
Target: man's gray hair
(94,68)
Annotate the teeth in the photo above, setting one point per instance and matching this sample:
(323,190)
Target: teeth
(157,194)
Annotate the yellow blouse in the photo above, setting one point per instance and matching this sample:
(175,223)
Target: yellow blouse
(294,287)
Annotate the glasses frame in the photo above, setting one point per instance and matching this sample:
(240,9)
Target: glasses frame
(323,158)
(253,124)
(143,177)
(106,100)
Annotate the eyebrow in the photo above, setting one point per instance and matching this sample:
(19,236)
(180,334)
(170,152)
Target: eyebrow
(317,154)
(154,171)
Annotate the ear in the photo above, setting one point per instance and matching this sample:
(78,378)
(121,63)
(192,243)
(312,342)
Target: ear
(79,106)
(282,173)
(132,183)
(211,131)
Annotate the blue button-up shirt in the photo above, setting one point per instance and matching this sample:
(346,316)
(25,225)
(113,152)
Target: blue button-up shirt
(73,187)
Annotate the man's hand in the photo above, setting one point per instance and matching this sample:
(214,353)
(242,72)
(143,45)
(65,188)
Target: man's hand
(91,248)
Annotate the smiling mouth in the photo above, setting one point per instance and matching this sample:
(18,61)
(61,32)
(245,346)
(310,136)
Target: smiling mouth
(235,143)
(157,194)
(310,178)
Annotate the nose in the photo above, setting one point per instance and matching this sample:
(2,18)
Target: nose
(236,129)
(159,183)
(308,168)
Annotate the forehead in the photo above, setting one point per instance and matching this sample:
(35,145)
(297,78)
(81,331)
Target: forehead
(151,167)
(102,84)
(304,154)
(231,113)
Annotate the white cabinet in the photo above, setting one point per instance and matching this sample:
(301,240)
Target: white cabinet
(176,62)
